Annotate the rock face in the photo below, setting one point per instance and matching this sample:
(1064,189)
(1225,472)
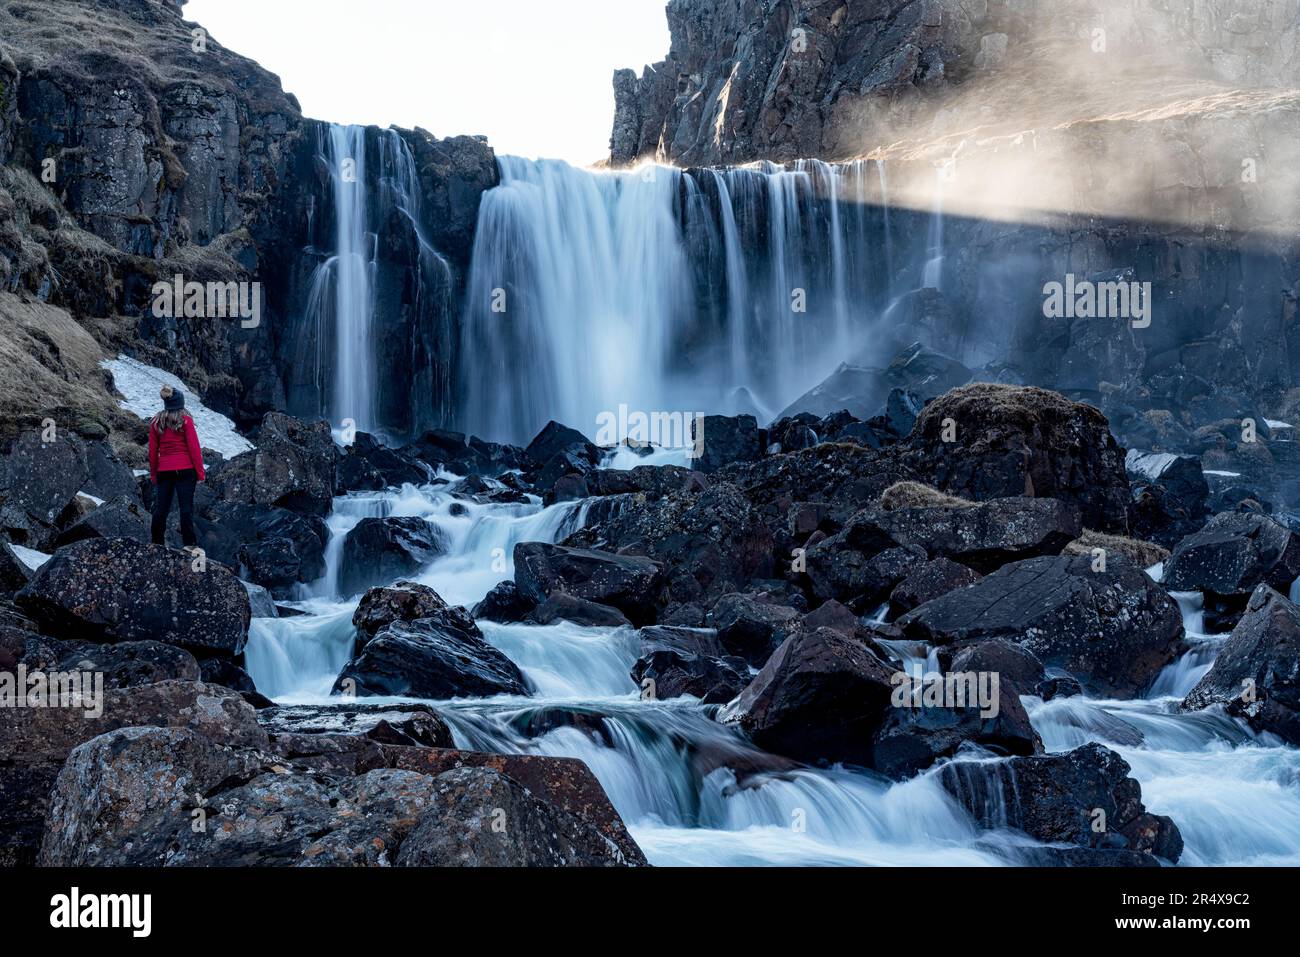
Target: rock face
(1113,630)
(1008,441)
(441,656)
(1083,797)
(628,583)
(380,550)
(118,589)
(1256,675)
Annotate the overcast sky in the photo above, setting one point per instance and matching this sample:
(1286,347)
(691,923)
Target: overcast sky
(534,75)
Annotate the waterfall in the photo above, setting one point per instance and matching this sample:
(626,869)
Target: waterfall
(667,290)
(380,296)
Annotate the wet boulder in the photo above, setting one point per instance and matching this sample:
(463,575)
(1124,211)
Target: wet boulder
(276,548)
(629,583)
(820,697)
(1083,797)
(118,589)
(1256,675)
(1234,554)
(723,439)
(986,441)
(859,577)
(555,439)
(368,465)
(665,673)
(578,611)
(503,603)
(381,550)
(405,724)
(751,626)
(1016,666)
(130,663)
(442,656)
(293,466)
(1113,629)
(400,601)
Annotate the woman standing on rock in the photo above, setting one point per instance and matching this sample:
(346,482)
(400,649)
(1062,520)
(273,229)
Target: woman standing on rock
(175,465)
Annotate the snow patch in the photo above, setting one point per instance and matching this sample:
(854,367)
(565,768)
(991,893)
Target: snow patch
(30,556)
(139,385)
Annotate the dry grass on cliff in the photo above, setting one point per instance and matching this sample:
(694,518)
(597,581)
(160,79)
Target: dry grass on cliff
(49,368)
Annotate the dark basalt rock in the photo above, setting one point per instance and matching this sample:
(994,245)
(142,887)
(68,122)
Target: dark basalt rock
(665,673)
(401,601)
(1012,441)
(556,439)
(579,611)
(751,626)
(1114,630)
(443,656)
(367,465)
(825,697)
(626,582)
(859,578)
(121,518)
(1256,674)
(118,589)
(36,742)
(1016,665)
(132,663)
(38,480)
(293,466)
(930,580)
(503,603)
(723,439)
(1056,798)
(1169,496)
(1234,554)
(708,543)
(380,550)
(276,548)
(220,671)
(406,724)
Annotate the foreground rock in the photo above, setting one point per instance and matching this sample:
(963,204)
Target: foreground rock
(1084,797)
(442,656)
(1113,630)
(629,583)
(1011,440)
(36,741)
(401,601)
(1233,555)
(1256,675)
(118,589)
(380,550)
(824,697)
(293,467)
(132,797)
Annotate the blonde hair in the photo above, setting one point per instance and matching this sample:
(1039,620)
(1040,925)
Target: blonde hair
(174,420)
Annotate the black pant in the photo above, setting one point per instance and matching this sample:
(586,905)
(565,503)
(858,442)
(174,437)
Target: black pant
(181,482)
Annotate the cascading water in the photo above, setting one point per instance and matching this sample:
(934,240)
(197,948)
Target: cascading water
(372,305)
(666,290)
(694,791)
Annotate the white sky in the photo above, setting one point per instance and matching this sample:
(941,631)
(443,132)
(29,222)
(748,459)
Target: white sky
(534,75)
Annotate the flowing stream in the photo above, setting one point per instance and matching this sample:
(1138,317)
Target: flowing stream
(693,791)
